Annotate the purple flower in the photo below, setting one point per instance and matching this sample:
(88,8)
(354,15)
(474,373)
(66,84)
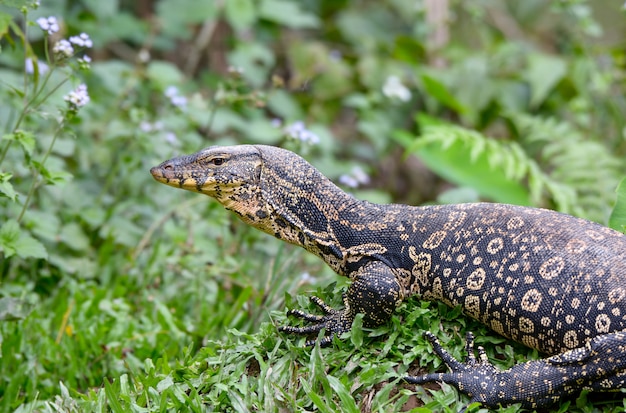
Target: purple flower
(82,40)
(148,127)
(298,130)
(63,48)
(29,66)
(348,181)
(48,24)
(78,97)
(171,91)
(170,137)
(355,178)
(173,94)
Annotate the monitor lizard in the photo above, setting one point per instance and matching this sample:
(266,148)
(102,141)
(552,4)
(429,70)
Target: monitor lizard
(550,281)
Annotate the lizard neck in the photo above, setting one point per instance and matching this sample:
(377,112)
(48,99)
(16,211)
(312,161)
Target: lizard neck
(294,202)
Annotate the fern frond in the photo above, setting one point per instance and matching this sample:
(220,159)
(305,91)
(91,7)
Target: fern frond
(574,160)
(498,170)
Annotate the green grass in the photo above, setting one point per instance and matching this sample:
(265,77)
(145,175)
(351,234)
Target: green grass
(189,324)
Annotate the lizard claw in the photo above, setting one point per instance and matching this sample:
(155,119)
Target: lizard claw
(334,321)
(533,384)
(474,377)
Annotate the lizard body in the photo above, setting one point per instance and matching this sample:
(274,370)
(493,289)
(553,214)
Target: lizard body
(550,281)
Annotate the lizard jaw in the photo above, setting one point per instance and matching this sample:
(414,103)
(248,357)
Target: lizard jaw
(170,174)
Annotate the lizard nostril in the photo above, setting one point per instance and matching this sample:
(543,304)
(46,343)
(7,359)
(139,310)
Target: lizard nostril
(168,167)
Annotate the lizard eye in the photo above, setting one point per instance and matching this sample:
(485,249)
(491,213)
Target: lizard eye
(217,161)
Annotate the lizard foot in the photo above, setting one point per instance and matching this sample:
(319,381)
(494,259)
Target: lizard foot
(334,321)
(474,377)
(535,383)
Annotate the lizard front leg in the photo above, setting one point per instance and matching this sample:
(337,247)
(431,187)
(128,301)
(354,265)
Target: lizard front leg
(601,364)
(374,292)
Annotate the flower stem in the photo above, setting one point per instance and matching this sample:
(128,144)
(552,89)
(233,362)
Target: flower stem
(37,171)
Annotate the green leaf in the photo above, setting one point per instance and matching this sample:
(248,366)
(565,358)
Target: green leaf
(5,20)
(74,237)
(469,159)
(408,49)
(356,332)
(26,141)
(347,401)
(111,394)
(56,177)
(617,219)
(103,9)
(164,73)
(438,90)
(14,241)
(176,15)
(164,384)
(12,309)
(315,398)
(288,14)
(6,188)
(255,59)
(544,72)
(240,14)
(28,247)
(15,3)
(9,232)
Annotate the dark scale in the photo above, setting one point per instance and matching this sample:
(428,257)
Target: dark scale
(547,280)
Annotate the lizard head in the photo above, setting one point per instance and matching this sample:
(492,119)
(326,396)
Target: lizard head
(270,188)
(227,173)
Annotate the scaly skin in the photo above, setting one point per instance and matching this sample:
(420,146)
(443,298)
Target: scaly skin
(547,280)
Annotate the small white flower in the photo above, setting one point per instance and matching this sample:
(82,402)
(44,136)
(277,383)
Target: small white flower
(238,70)
(178,100)
(63,48)
(360,175)
(78,97)
(355,178)
(306,278)
(145,126)
(277,123)
(170,137)
(348,180)
(48,24)
(29,66)
(82,40)
(294,129)
(143,56)
(309,137)
(394,89)
(298,130)
(171,91)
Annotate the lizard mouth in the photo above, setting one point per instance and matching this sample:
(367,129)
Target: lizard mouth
(157,173)
(167,173)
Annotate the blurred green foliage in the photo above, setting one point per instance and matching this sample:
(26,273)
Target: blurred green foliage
(119,294)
